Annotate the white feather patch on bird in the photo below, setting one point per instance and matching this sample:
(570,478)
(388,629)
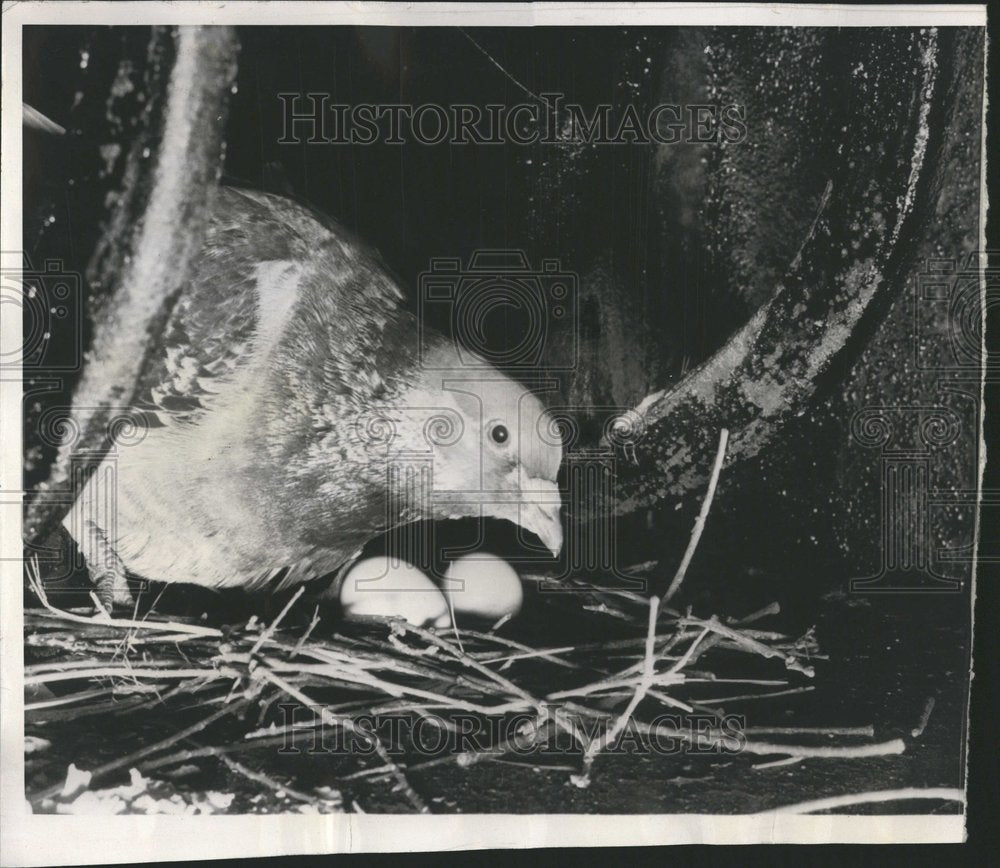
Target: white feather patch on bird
(277,292)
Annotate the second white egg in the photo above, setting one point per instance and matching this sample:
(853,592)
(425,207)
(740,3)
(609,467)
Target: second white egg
(483,586)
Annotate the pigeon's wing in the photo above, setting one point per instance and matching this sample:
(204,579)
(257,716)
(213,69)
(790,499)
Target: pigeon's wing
(215,326)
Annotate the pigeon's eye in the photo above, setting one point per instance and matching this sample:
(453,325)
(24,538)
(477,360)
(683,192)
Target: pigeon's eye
(499,434)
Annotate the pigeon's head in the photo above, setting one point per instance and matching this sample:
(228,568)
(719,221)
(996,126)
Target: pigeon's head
(496,452)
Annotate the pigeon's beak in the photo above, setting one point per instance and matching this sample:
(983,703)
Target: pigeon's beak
(539,512)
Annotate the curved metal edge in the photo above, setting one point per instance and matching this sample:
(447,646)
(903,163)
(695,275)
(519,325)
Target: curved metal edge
(185,179)
(742,387)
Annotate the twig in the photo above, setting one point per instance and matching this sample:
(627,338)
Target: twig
(686,657)
(102,611)
(181,756)
(34,119)
(376,771)
(123,671)
(466,660)
(507,659)
(885,748)
(66,700)
(775,764)
(473,757)
(596,746)
(545,654)
(918,730)
(711,738)
(128,759)
(753,645)
(347,723)
(376,677)
(946,794)
(269,631)
(867,731)
(720,699)
(353,676)
(313,623)
(503,619)
(769,609)
(124,623)
(113,707)
(699,525)
(261,778)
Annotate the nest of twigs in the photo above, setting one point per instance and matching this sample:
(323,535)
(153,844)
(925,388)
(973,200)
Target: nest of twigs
(585,694)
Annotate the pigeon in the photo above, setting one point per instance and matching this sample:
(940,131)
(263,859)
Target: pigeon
(293,410)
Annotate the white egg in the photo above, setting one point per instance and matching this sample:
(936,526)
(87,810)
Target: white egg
(484,586)
(387,587)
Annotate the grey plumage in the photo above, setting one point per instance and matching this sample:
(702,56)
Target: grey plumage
(284,364)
